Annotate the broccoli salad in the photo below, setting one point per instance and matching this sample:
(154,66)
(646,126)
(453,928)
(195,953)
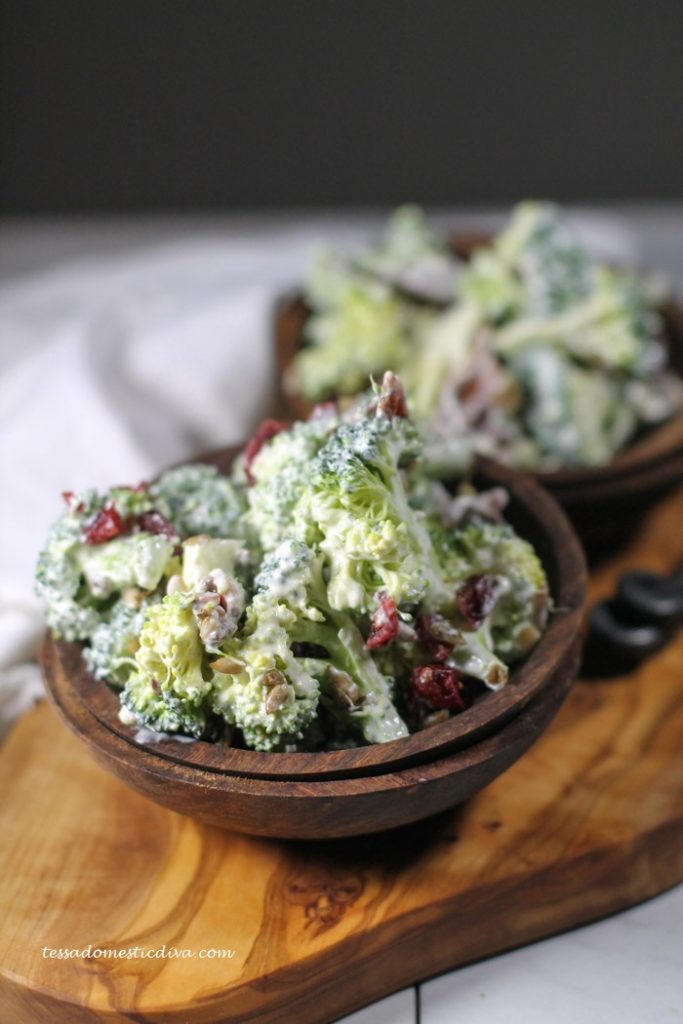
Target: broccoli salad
(326,594)
(533,351)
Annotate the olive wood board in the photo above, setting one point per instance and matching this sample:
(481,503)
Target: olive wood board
(589,821)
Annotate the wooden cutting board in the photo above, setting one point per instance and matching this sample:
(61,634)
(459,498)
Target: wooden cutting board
(589,821)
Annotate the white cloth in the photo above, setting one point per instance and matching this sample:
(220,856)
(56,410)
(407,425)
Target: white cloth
(114,367)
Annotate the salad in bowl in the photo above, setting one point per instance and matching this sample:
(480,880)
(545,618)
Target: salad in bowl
(531,351)
(326,594)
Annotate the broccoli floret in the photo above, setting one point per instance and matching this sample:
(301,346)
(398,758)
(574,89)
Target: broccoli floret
(281,472)
(72,611)
(162,710)
(537,267)
(171,687)
(414,257)
(113,643)
(363,522)
(171,651)
(131,501)
(520,613)
(610,328)
(364,320)
(366,331)
(269,694)
(294,576)
(555,267)
(198,499)
(490,285)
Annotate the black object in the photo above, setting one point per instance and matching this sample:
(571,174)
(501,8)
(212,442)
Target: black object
(639,620)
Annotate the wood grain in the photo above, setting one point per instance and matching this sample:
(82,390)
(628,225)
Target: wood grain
(589,821)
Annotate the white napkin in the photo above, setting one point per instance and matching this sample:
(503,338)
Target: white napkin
(114,368)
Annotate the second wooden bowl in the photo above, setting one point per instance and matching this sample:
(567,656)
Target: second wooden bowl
(604,502)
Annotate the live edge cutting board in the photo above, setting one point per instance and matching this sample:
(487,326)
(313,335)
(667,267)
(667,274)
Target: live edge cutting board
(588,822)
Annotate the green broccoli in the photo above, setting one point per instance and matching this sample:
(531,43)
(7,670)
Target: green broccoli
(198,499)
(367,330)
(163,711)
(292,579)
(114,641)
(359,514)
(169,686)
(281,471)
(73,610)
(521,609)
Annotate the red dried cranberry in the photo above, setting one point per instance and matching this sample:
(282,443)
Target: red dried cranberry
(437,648)
(154,522)
(385,625)
(439,687)
(106,525)
(475,599)
(392,399)
(268,429)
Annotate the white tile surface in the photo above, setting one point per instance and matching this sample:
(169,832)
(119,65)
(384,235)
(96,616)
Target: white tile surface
(396,1009)
(625,970)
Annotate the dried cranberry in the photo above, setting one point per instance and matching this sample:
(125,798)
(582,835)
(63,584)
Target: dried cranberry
(154,522)
(392,399)
(475,599)
(439,687)
(385,625)
(268,429)
(436,646)
(106,525)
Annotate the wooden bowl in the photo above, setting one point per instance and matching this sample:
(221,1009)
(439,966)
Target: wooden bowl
(283,808)
(91,706)
(604,502)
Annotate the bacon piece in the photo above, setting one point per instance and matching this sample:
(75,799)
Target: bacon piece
(440,687)
(268,429)
(106,525)
(475,599)
(385,625)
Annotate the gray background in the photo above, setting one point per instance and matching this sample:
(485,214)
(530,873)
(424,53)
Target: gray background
(200,104)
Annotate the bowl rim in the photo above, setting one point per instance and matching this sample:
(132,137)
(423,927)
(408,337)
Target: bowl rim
(568,575)
(328,809)
(69,704)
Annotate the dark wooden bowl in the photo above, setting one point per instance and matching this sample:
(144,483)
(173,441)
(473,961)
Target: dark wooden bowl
(91,706)
(604,502)
(283,808)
